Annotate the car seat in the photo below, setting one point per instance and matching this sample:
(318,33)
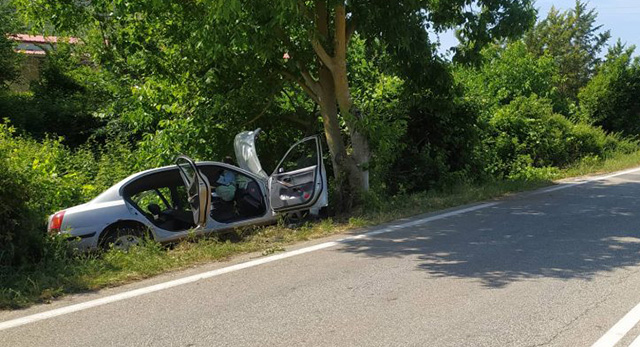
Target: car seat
(249,201)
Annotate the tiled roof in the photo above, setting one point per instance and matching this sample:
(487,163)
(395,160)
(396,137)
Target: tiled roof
(41,39)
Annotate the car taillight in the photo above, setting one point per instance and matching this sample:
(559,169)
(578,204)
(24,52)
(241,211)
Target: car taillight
(56,222)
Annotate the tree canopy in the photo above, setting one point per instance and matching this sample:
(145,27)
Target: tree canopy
(151,79)
(574,40)
(8,58)
(211,53)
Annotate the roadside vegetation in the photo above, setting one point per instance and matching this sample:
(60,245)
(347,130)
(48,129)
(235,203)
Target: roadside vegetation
(518,104)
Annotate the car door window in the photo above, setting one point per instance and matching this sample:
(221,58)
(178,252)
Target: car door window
(297,182)
(198,189)
(180,198)
(301,156)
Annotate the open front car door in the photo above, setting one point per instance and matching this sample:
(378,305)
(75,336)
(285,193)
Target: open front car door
(299,181)
(198,190)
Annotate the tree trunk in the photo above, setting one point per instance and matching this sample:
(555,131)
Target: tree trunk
(331,91)
(345,168)
(359,141)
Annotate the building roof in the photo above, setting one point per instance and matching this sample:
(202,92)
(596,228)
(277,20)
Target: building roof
(41,39)
(38,44)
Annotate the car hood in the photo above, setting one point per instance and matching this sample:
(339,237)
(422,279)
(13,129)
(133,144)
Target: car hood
(246,154)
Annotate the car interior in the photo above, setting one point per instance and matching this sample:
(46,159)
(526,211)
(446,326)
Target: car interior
(245,203)
(162,198)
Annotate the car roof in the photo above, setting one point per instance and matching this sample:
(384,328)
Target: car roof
(115,192)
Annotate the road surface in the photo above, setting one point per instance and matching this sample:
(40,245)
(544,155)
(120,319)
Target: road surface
(556,267)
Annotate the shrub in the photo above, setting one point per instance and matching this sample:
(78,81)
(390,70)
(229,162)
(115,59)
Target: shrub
(510,72)
(611,97)
(18,235)
(36,179)
(527,134)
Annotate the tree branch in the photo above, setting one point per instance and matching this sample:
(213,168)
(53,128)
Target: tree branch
(322,30)
(305,11)
(341,32)
(310,81)
(264,110)
(325,58)
(310,90)
(351,28)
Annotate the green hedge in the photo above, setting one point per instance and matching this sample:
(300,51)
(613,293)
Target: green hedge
(526,133)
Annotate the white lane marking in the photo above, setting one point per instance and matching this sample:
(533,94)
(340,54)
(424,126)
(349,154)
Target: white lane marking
(558,187)
(620,173)
(621,328)
(190,279)
(593,179)
(161,286)
(636,342)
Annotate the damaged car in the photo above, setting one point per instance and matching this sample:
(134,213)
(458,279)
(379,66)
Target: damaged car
(172,202)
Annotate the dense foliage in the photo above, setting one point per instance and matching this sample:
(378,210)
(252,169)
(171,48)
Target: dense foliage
(574,41)
(8,58)
(610,99)
(152,79)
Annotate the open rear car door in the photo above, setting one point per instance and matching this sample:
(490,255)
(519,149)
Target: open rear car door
(299,181)
(198,189)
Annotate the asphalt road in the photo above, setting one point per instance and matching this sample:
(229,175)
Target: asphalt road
(552,268)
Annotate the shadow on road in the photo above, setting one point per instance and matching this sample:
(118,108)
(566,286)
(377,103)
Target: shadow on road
(574,233)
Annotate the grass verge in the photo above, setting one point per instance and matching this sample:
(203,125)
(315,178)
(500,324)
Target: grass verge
(61,273)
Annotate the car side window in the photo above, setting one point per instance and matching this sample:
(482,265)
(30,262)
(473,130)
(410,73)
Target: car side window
(182,198)
(146,198)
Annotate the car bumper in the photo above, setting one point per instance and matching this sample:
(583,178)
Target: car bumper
(83,241)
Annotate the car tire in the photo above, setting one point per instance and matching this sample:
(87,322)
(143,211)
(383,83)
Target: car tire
(297,218)
(123,238)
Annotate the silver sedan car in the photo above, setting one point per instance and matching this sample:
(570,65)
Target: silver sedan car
(171,202)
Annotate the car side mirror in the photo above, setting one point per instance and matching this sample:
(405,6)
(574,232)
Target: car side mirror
(280,170)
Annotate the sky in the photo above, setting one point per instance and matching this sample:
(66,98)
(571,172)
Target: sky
(621,17)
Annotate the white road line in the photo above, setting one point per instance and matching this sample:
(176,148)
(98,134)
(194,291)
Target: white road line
(558,187)
(190,279)
(593,179)
(621,328)
(620,173)
(181,281)
(636,342)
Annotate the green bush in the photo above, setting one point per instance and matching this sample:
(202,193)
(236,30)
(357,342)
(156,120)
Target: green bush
(40,178)
(36,179)
(510,72)
(611,98)
(527,134)
(19,237)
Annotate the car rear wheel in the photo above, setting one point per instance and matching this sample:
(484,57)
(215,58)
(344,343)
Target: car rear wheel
(123,238)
